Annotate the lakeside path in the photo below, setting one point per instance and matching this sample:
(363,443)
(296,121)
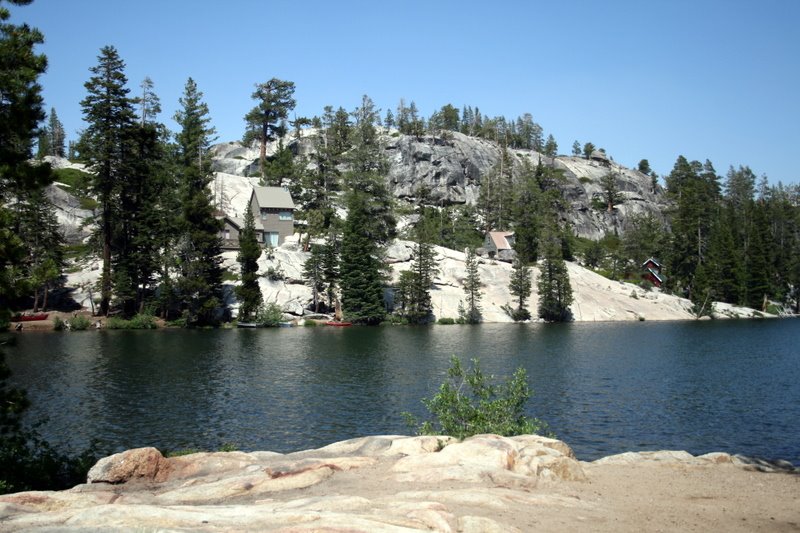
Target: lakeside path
(401,484)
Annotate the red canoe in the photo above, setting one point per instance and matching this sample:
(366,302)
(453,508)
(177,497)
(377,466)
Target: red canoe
(29,318)
(339,324)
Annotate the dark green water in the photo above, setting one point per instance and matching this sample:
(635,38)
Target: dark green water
(604,388)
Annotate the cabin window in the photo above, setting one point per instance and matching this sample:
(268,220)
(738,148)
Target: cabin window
(263,214)
(227,234)
(271,238)
(285,215)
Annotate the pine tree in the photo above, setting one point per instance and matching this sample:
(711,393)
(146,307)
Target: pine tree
(20,115)
(526,213)
(520,286)
(266,121)
(56,137)
(107,147)
(553,286)
(417,302)
(200,282)
(576,149)
(610,190)
(367,175)
(149,103)
(551,147)
(471,312)
(249,292)
(314,273)
(360,268)
(38,227)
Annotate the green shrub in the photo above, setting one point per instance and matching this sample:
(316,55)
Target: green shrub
(177,323)
(58,324)
(446,321)
(89,204)
(585,180)
(140,321)
(270,315)
(467,404)
(79,323)
(395,320)
(310,324)
(78,180)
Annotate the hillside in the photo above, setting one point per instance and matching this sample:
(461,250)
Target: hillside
(453,170)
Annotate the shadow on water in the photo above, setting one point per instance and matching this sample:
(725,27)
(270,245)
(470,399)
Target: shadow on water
(604,388)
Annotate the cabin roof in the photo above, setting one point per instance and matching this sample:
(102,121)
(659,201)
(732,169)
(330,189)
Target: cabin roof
(500,239)
(651,260)
(273,197)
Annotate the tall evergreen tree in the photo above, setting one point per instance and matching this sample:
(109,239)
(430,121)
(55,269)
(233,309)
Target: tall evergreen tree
(551,146)
(38,228)
(553,286)
(56,137)
(108,150)
(368,168)
(200,282)
(266,121)
(695,189)
(20,115)
(470,312)
(417,303)
(249,292)
(610,190)
(149,102)
(314,273)
(526,213)
(361,279)
(520,286)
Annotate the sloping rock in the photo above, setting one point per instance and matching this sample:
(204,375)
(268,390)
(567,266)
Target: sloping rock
(395,484)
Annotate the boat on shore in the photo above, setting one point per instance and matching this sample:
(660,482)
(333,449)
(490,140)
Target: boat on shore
(246,325)
(29,318)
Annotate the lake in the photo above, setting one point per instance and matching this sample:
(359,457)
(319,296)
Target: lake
(604,388)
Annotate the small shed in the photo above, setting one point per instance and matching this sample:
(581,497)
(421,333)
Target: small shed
(500,245)
(652,272)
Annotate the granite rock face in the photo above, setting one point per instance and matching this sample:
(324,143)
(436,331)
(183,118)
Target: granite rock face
(452,170)
(485,483)
(385,483)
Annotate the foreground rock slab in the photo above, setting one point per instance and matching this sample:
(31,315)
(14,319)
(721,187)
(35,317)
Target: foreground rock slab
(395,483)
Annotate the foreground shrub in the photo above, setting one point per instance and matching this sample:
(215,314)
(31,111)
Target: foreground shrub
(468,404)
(446,321)
(80,323)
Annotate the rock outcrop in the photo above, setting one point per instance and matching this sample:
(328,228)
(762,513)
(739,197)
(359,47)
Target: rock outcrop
(485,483)
(452,170)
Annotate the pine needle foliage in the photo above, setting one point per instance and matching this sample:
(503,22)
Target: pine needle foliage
(469,403)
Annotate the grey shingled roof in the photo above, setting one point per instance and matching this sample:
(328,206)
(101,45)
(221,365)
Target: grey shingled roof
(273,197)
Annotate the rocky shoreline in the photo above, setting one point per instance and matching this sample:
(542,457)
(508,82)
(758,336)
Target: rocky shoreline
(395,483)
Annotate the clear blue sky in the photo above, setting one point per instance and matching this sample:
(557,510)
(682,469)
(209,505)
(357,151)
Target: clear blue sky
(705,79)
